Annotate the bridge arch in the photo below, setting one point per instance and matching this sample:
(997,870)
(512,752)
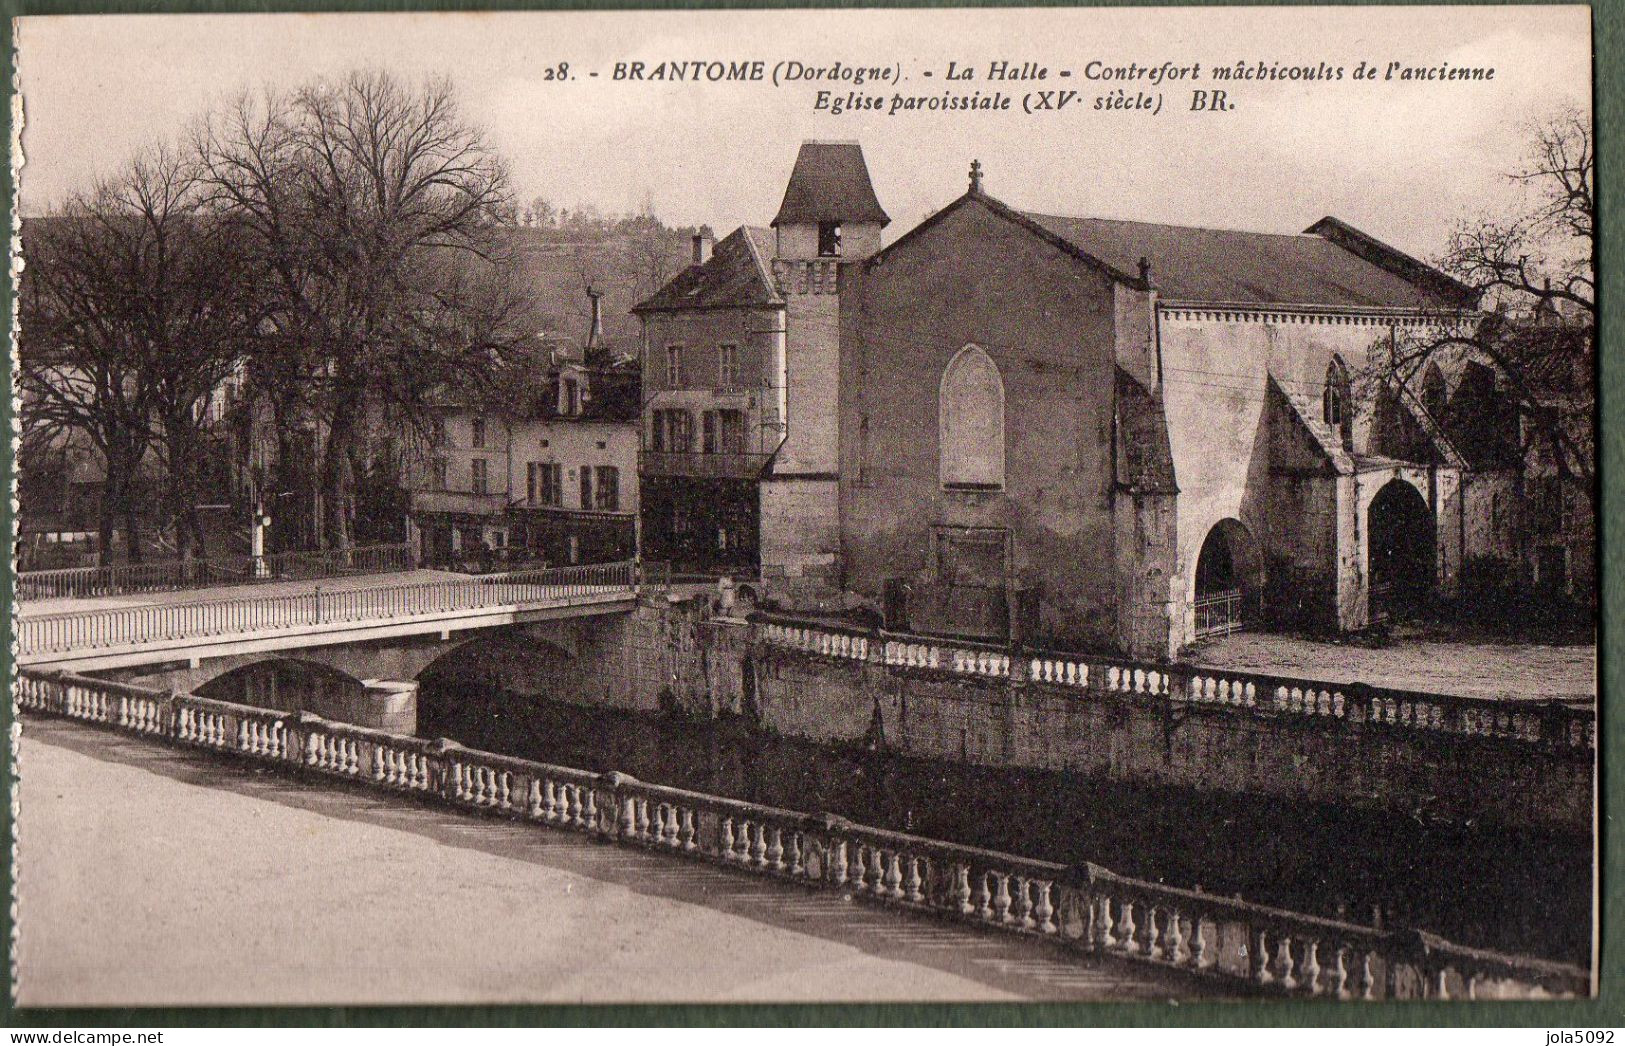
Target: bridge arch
(288,684)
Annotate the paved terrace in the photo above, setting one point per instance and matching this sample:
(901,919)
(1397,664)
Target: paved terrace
(118,631)
(154,876)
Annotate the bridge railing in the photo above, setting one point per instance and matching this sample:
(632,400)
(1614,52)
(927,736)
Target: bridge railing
(174,575)
(111,628)
(1552,724)
(1088,908)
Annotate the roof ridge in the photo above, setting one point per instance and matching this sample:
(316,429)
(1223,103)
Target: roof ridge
(1175,225)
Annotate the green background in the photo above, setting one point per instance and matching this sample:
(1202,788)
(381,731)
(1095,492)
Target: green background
(1606,1010)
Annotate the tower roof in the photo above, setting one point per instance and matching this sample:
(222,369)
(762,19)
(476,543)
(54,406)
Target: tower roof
(830,183)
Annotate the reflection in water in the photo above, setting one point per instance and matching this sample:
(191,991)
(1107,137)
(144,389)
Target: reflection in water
(1521,892)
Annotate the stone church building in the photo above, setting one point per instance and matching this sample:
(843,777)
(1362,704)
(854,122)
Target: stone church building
(1070,432)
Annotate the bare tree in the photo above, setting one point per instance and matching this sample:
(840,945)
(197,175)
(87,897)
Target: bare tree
(376,209)
(1534,275)
(127,320)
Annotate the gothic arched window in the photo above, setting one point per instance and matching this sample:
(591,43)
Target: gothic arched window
(1336,408)
(971,415)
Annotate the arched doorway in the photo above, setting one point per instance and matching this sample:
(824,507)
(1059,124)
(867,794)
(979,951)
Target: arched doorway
(1228,580)
(1400,551)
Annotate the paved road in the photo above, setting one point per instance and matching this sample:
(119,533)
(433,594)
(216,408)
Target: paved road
(151,875)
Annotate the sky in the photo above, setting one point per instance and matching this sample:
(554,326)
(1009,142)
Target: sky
(1404,161)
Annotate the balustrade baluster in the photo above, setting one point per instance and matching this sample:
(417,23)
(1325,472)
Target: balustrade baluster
(1001,897)
(775,849)
(727,838)
(1173,940)
(1340,972)
(1148,947)
(1127,931)
(643,819)
(912,882)
(1284,965)
(1258,959)
(1023,903)
(1309,969)
(689,844)
(894,876)
(1105,937)
(1200,958)
(1044,907)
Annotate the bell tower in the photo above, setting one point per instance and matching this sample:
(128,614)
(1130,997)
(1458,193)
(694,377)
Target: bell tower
(830,218)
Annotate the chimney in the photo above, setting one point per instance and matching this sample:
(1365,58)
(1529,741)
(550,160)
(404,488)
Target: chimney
(703,242)
(595,333)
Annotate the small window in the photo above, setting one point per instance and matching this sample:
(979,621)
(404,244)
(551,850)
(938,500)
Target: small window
(674,366)
(607,492)
(1336,409)
(479,477)
(829,239)
(476,433)
(728,366)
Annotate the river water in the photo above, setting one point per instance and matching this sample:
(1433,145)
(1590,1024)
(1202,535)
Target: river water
(1522,892)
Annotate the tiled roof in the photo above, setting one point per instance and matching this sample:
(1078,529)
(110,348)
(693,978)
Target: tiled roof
(1251,268)
(830,183)
(735,276)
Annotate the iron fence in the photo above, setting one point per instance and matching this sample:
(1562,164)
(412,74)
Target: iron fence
(90,630)
(1218,613)
(175,575)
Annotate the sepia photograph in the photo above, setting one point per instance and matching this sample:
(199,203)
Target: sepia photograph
(1082,505)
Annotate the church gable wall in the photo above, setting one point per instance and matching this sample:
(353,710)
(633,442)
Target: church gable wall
(1044,318)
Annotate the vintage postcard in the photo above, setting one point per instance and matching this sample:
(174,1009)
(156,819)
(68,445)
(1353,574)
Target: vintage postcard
(805,506)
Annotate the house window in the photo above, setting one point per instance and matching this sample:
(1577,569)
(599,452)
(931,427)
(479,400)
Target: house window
(731,431)
(971,423)
(607,488)
(586,486)
(478,476)
(672,432)
(569,396)
(708,432)
(674,366)
(476,433)
(437,473)
(544,482)
(437,432)
(728,366)
(1335,405)
(829,239)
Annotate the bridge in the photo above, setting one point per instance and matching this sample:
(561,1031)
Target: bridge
(151,628)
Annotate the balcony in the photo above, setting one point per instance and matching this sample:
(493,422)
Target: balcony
(701,465)
(463,502)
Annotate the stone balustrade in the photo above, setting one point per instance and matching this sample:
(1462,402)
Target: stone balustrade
(1552,724)
(1257,949)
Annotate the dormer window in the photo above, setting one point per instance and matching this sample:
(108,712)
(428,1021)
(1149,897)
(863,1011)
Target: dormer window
(569,397)
(829,239)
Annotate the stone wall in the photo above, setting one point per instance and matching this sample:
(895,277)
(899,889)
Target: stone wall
(679,656)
